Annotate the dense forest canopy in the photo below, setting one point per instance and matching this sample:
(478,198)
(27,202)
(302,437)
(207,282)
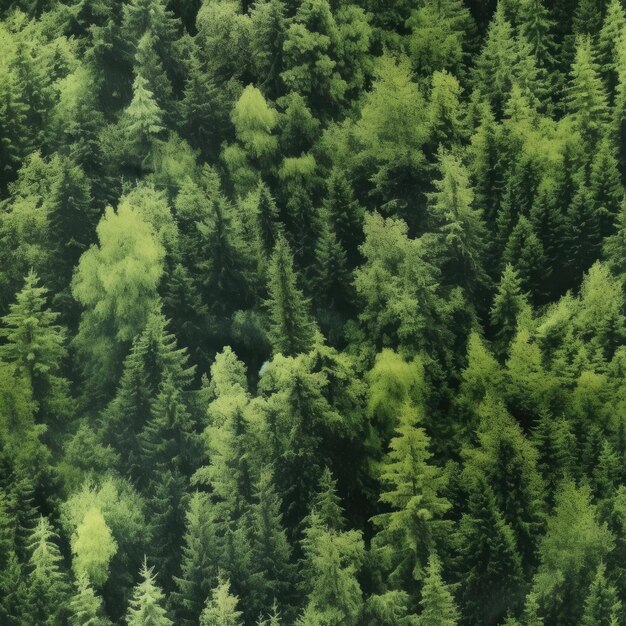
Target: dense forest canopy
(312,313)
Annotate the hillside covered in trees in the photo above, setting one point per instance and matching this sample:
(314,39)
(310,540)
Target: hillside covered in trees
(312,313)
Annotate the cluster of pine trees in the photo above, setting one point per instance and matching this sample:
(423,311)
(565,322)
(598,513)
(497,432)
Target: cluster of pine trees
(312,313)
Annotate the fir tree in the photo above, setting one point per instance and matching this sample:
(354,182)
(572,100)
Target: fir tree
(490,566)
(146,605)
(437,603)
(86,607)
(221,607)
(524,253)
(267,219)
(199,564)
(602,606)
(509,304)
(291,328)
(608,44)
(606,188)
(47,583)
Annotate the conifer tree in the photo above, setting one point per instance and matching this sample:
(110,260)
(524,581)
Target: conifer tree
(13,591)
(413,487)
(345,214)
(588,17)
(221,607)
(291,327)
(199,564)
(146,605)
(586,96)
(270,549)
(613,246)
(536,27)
(490,567)
(524,253)
(602,606)
(460,225)
(267,219)
(608,44)
(606,188)
(86,607)
(35,343)
(47,583)
(144,123)
(509,304)
(437,603)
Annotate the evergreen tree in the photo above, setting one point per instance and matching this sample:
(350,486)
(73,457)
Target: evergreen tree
(221,607)
(409,531)
(586,97)
(536,27)
(13,591)
(199,566)
(602,606)
(267,219)
(606,188)
(490,567)
(291,328)
(86,607)
(608,44)
(437,603)
(524,253)
(146,605)
(509,304)
(47,583)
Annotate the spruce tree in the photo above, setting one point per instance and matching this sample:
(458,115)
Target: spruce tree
(146,605)
(267,219)
(606,188)
(13,591)
(47,582)
(536,27)
(412,488)
(221,607)
(291,327)
(437,602)
(608,44)
(524,253)
(199,561)
(86,607)
(602,606)
(586,98)
(509,304)
(490,567)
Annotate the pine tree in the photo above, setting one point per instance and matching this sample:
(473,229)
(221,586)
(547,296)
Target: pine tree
(509,304)
(588,17)
(327,504)
(13,591)
(412,489)
(586,98)
(490,567)
(86,607)
(221,607)
(146,605)
(47,584)
(291,327)
(536,27)
(437,603)
(199,561)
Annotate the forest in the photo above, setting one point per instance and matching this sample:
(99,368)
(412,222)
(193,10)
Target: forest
(312,312)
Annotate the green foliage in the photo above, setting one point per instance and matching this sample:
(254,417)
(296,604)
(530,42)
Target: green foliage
(146,605)
(438,607)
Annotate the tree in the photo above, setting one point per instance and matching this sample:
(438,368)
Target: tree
(116,283)
(47,583)
(413,485)
(332,561)
(86,607)
(490,566)
(143,123)
(525,254)
(437,603)
(602,606)
(586,96)
(267,219)
(608,44)
(35,343)
(459,224)
(606,188)
(536,27)
(221,607)
(571,550)
(146,604)
(509,304)
(291,328)
(199,563)
(93,546)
